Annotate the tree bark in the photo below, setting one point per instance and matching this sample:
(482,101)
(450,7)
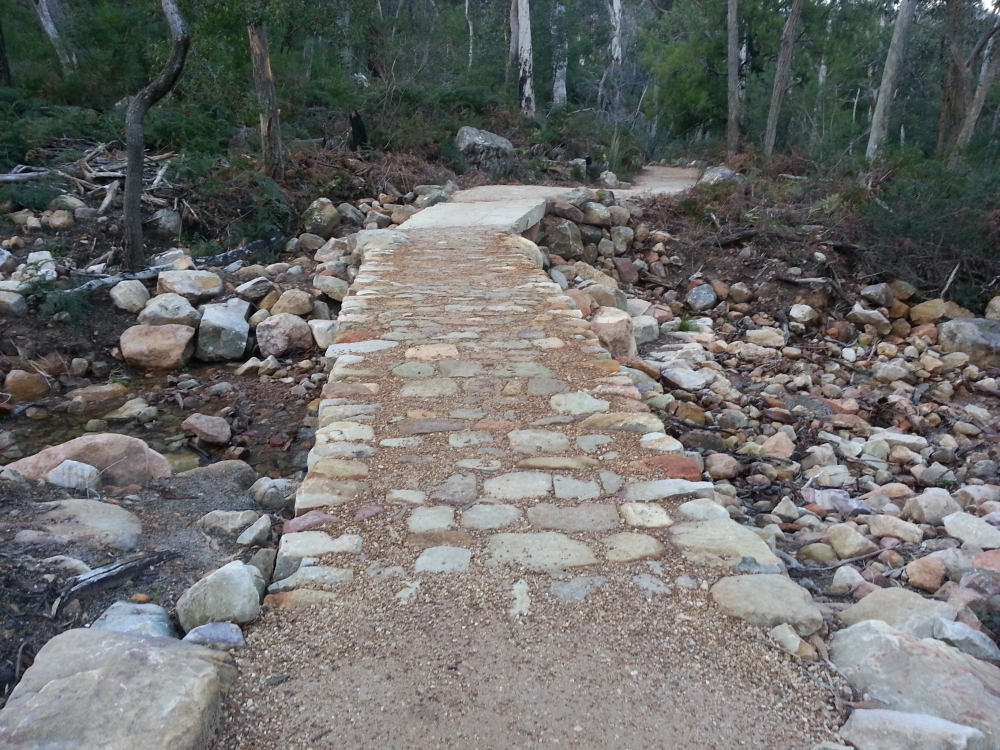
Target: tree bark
(5,77)
(781,75)
(135,253)
(615,10)
(48,13)
(468,20)
(515,38)
(733,80)
(986,76)
(560,45)
(525,81)
(270,123)
(893,63)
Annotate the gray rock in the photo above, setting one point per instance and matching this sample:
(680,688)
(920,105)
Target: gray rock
(977,337)
(255,289)
(334,288)
(967,640)
(702,297)
(221,636)
(972,530)
(130,295)
(168,221)
(645,329)
(879,295)
(716,175)
(92,688)
(577,589)
(767,601)
(917,676)
(862,317)
(563,237)
(224,331)
(169,309)
(430,198)
(544,551)
(722,542)
(930,506)
(192,285)
(230,594)
(490,516)
(350,214)
(13,304)
(878,729)
(148,620)
(584,517)
(228,522)
(596,214)
(443,560)
(321,218)
(257,533)
(87,522)
(905,610)
(485,151)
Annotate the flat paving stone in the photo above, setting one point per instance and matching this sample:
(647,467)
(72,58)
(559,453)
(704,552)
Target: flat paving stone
(546,386)
(414,370)
(533,442)
(628,547)
(460,369)
(490,516)
(467,438)
(541,551)
(479,464)
(313,575)
(638,422)
(585,517)
(522,370)
(666,489)
(645,515)
(359,347)
(443,559)
(721,542)
(410,497)
(591,443)
(558,463)
(568,488)
(428,426)
(436,518)
(429,388)
(458,489)
(578,589)
(518,485)
(651,584)
(432,352)
(578,402)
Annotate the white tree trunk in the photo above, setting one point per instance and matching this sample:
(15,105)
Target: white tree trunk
(47,13)
(986,75)
(615,9)
(468,20)
(525,80)
(893,62)
(514,37)
(781,75)
(561,54)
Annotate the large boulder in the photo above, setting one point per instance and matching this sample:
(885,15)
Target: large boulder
(26,386)
(878,729)
(283,333)
(90,687)
(977,337)
(563,239)
(158,347)
(169,309)
(122,459)
(321,218)
(230,594)
(767,601)
(905,673)
(485,151)
(224,331)
(192,285)
(84,522)
(614,330)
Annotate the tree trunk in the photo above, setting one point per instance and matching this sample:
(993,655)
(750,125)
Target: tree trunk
(560,45)
(515,36)
(270,124)
(781,75)
(525,81)
(468,20)
(733,80)
(987,74)
(5,77)
(48,12)
(135,253)
(893,63)
(615,9)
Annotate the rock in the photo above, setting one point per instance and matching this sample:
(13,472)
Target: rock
(722,542)
(862,317)
(169,309)
(906,611)
(928,312)
(60,220)
(645,329)
(614,330)
(257,533)
(168,222)
(563,238)
(13,305)
(231,594)
(542,551)
(779,445)
(351,215)
(148,620)
(321,218)
(972,530)
(283,333)
(847,542)
(430,198)
(767,601)
(227,522)
(930,506)
(766,337)
(879,295)
(255,289)
(402,213)
(976,337)
(293,302)
(917,676)
(87,522)
(803,314)
(220,636)
(224,331)
(75,475)
(967,640)
(993,309)
(596,214)
(716,175)
(485,151)
(844,580)
(701,298)
(123,460)
(238,474)
(881,526)
(161,347)
(92,688)
(194,286)
(878,729)
(130,296)
(722,466)
(213,430)
(25,387)
(334,288)
(927,573)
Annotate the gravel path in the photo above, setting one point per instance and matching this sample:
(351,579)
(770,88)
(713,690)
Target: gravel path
(503,574)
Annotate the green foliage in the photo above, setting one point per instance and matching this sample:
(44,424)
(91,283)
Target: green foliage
(35,195)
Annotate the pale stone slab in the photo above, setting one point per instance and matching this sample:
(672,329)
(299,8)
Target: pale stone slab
(542,551)
(532,442)
(344,432)
(578,402)
(443,560)
(317,575)
(666,489)
(626,547)
(436,518)
(410,497)
(767,601)
(518,485)
(585,517)
(429,388)
(721,542)
(637,422)
(905,610)
(567,488)
(490,516)
(359,347)
(645,515)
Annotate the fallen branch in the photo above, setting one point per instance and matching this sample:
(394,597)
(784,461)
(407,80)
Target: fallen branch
(106,577)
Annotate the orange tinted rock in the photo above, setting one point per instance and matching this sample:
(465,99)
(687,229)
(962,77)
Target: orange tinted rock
(671,466)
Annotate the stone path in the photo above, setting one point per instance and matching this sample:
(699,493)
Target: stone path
(495,557)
